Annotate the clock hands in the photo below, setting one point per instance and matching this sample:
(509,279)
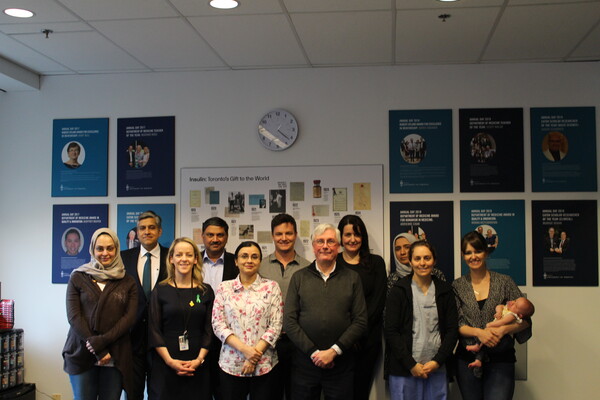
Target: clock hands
(281,133)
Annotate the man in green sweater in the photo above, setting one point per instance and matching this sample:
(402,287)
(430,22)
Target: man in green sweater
(325,315)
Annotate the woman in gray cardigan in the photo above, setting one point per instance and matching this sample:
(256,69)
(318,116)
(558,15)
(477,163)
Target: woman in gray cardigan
(101,307)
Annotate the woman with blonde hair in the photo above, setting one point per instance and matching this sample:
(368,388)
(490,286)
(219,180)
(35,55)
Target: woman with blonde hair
(180,329)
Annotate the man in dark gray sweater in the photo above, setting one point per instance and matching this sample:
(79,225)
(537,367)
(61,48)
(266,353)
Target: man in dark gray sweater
(325,315)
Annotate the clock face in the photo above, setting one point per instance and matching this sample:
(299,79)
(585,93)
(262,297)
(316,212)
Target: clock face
(277,130)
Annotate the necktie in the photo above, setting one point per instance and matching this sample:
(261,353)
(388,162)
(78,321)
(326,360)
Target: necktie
(147,285)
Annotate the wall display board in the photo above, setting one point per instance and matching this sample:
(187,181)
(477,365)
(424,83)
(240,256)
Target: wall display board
(563,149)
(127,215)
(248,198)
(502,224)
(565,242)
(79,157)
(491,150)
(431,220)
(421,151)
(146,156)
(72,228)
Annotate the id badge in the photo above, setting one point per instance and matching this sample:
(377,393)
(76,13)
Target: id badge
(183,343)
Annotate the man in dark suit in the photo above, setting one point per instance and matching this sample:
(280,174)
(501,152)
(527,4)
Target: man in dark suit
(147,264)
(217,266)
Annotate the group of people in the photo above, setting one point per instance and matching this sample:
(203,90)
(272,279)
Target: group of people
(138,156)
(212,324)
(413,150)
(556,244)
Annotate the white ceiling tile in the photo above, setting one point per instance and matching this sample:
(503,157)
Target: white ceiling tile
(528,2)
(589,48)
(56,27)
(45,11)
(422,37)
(83,52)
(336,5)
(23,55)
(547,32)
(251,40)
(425,4)
(120,9)
(346,38)
(160,43)
(197,8)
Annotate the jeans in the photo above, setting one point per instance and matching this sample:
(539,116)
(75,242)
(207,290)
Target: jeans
(497,382)
(410,388)
(97,383)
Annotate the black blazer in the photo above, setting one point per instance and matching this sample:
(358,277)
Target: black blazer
(139,332)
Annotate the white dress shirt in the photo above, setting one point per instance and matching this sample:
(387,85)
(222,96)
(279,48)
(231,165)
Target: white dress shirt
(154,263)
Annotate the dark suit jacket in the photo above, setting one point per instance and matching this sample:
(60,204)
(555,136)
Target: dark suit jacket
(139,332)
(565,245)
(230,270)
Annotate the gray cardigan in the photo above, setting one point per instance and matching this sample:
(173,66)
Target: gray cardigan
(319,314)
(502,289)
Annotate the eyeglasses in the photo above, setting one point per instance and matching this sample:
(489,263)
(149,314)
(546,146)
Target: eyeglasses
(322,242)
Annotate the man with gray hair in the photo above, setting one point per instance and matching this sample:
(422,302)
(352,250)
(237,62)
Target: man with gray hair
(148,265)
(324,316)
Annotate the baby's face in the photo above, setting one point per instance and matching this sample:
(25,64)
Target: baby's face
(517,306)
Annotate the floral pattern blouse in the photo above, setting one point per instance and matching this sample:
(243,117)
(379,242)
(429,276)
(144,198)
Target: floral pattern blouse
(251,314)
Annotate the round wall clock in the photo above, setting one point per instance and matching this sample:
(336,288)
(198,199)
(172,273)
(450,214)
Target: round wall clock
(278,129)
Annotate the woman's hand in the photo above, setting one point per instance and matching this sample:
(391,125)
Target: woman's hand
(498,331)
(430,367)
(417,371)
(105,360)
(89,347)
(195,363)
(248,368)
(252,354)
(489,336)
(182,368)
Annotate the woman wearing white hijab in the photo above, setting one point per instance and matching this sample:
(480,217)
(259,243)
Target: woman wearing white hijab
(101,308)
(400,247)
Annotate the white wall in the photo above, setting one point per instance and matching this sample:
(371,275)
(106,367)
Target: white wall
(343,116)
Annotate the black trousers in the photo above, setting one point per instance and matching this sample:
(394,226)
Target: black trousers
(239,387)
(336,383)
(141,374)
(282,380)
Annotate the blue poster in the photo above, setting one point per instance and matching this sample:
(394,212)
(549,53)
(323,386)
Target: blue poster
(491,150)
(565,242)
(502,224)
(420,151)
(72,228)
(431,220)
(127,215)
(146,156)
(79,157)
(563,149)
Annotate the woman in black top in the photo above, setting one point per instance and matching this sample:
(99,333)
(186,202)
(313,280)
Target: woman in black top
(180,327)
(371,269)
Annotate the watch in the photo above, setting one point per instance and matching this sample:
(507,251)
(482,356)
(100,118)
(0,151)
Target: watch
(278,129)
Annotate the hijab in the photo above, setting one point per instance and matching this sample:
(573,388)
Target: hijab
(403,269)
(116,269)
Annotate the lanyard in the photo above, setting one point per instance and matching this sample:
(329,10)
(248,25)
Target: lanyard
(187,311)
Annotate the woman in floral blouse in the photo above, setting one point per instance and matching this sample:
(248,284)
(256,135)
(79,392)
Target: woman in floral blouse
(247,318)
